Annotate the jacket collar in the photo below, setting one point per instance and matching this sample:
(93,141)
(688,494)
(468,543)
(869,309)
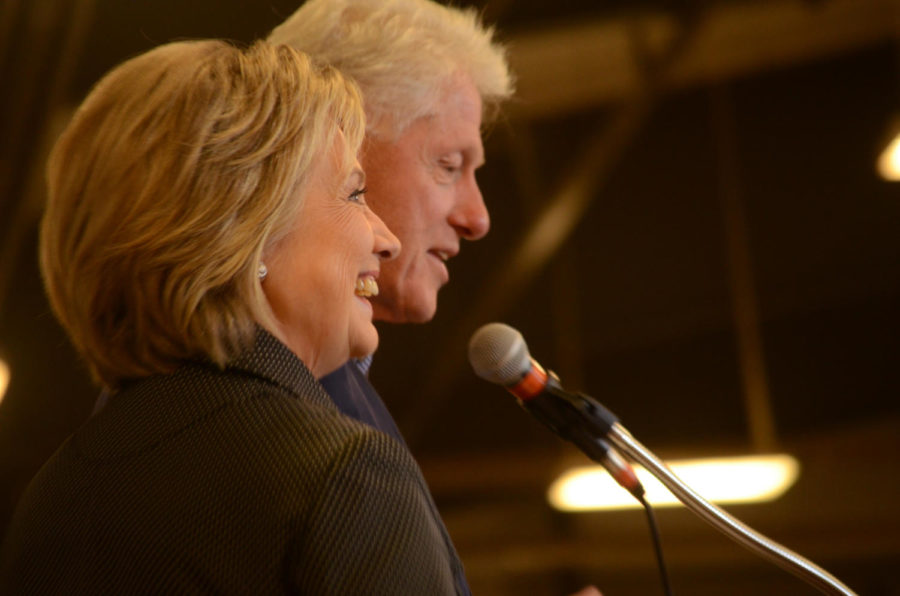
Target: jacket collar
(272,361)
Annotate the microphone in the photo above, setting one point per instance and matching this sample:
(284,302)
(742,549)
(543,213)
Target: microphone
(499,355)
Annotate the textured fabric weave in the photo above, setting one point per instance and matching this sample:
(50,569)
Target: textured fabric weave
(243,481)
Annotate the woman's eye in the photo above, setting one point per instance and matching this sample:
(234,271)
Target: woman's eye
(359,195)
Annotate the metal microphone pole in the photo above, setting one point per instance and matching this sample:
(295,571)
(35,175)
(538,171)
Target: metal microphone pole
(567,412)
(724,522)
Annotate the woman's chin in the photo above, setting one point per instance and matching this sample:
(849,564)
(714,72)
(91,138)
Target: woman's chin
(366,343)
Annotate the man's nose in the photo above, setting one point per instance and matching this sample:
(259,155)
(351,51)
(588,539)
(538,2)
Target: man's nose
(469,216)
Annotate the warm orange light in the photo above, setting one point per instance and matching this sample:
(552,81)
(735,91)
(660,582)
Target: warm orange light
(4,378)
(889,160)
(746,479)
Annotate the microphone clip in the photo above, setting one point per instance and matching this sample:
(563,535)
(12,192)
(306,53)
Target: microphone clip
(585,422)
(570,415)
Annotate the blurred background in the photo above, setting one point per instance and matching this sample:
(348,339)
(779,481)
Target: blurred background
(687,224)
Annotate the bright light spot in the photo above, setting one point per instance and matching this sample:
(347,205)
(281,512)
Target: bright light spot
(748,479)
(889,161)
(4,378)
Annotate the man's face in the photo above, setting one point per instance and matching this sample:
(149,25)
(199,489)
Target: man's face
(423,186)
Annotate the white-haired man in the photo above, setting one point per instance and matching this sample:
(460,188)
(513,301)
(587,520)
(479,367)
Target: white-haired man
(430,75)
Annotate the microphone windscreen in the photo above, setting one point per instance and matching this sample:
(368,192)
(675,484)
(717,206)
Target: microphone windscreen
(498,354)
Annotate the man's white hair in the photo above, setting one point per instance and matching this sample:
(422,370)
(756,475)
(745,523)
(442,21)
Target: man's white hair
(401,53)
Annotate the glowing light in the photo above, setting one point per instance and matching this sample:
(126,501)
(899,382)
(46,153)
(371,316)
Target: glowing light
(4,378)
(746,479)
(889,161)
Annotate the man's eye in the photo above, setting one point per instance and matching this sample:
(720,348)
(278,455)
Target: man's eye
(450,169)
(358,195)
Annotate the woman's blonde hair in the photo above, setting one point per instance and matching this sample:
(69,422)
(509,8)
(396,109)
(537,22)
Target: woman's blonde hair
(178,171)
(401,53)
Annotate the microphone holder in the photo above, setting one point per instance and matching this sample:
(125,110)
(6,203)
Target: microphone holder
(725,522)
(587,423)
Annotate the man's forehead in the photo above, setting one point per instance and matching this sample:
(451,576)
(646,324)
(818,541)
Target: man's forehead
(453,133)
(459,105)
(467,144)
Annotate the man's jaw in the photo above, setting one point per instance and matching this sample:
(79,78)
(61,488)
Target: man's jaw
(406,302)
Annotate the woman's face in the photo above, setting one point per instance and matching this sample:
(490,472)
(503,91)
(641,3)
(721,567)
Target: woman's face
(320,275)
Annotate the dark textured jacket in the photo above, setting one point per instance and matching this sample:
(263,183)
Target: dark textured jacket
(243,481)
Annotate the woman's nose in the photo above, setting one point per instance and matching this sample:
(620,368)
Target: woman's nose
(387,246)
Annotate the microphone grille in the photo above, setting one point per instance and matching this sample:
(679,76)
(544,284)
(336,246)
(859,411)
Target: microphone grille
(498,354)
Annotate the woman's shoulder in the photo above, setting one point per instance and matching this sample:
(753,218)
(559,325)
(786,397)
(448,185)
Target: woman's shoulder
(312,428)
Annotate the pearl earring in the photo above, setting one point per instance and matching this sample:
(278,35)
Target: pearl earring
(262,272)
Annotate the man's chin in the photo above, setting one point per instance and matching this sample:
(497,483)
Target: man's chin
(418,309)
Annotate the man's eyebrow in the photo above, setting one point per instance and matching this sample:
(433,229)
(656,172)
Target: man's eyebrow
(475,156)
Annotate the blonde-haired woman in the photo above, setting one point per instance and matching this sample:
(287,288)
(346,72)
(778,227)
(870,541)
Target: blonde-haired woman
(208,249)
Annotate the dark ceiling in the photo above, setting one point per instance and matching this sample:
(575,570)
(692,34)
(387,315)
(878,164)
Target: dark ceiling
(729,238)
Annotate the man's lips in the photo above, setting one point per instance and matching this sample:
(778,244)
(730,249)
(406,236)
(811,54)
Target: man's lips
(443,254)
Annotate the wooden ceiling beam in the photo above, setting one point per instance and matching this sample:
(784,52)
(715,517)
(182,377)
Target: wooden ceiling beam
(584,65)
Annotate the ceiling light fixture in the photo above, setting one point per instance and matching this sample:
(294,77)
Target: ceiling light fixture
(744,479)
(889,161)
(4,378)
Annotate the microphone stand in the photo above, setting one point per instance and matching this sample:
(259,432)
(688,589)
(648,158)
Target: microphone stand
(586,422)
(723,521)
